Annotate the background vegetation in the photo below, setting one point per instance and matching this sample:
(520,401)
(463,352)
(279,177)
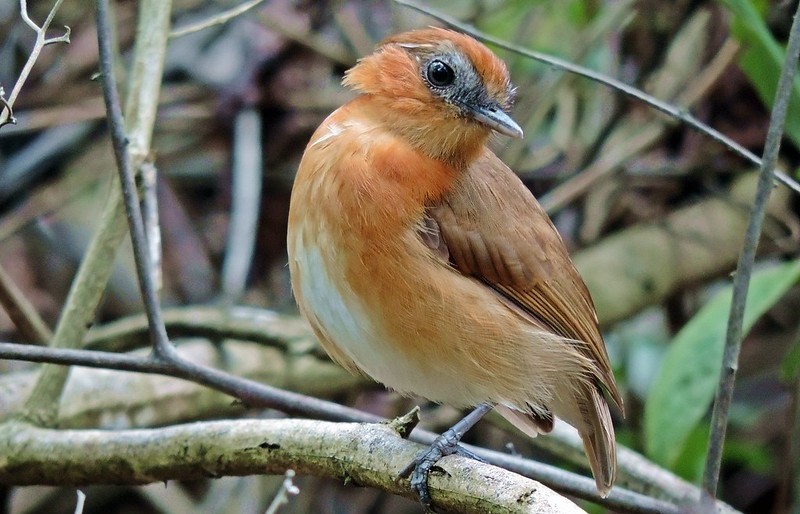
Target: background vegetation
(654,212)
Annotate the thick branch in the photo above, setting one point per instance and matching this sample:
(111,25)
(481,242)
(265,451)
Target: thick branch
(256,394)
(365,455)
(24,315)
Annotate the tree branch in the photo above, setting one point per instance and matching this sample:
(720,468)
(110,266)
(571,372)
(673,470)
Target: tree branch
(107,399)
(255,394)
(78,312)
(24,315)
(268,328)
(366,455)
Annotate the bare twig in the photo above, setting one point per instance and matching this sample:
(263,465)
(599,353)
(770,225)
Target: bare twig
(741,281)
(286,490)
(6,112)
(218,19)
(665,107)
(103,398)
(22,313)
(79,503)
(128,182)
(6,109)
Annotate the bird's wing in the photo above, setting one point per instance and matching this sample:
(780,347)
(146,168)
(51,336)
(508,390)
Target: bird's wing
(492,228)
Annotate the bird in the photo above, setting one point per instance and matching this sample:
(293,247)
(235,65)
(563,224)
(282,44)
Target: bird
(422,261)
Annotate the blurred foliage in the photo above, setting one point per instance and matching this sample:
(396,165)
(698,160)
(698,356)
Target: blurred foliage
(687,380)
(762,58)
(286,58)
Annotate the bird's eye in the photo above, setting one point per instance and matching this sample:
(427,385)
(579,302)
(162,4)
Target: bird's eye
(440,74)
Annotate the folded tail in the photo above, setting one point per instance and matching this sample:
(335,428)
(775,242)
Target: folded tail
(588,412)
(597,434)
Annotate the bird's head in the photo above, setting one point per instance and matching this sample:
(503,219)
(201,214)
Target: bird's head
(442,90)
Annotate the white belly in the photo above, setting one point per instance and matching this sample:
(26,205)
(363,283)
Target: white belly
(344,320)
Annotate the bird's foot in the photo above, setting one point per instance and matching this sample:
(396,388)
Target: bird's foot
(424,462)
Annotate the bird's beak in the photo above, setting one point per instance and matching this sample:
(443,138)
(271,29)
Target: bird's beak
(494,118)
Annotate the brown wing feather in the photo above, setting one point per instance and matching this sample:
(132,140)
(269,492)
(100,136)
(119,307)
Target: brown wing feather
(495,230)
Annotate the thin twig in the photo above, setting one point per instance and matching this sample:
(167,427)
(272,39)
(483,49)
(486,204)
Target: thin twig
(80,502)
(218,19)
(24,315)
(665,107)
(158,333)
(6,112)
(6,108)
(286,490)
(741,281)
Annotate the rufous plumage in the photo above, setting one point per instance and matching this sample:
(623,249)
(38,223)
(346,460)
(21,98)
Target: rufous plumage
(422,261)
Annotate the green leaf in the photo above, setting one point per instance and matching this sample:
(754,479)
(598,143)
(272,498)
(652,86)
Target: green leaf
(790,367)
(754,455)
(692,459)
(762,59)
(687,380)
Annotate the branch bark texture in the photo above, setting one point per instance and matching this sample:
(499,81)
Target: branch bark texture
(368,455)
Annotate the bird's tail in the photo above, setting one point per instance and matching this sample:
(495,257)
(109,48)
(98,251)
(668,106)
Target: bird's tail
(597,433)
(586,409)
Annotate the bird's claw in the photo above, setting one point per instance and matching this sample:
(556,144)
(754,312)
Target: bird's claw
(423,463)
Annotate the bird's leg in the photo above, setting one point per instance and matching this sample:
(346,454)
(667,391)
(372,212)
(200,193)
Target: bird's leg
(445,444)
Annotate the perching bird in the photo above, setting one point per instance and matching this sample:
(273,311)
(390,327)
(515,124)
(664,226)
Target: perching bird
(422,261)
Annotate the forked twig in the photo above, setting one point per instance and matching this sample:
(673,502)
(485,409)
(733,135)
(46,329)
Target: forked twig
(286,490)
(7,104)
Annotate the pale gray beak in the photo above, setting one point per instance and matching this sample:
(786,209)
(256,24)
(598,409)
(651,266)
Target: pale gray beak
(494,118)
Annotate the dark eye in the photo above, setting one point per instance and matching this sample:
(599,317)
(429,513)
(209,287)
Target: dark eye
(440,74)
